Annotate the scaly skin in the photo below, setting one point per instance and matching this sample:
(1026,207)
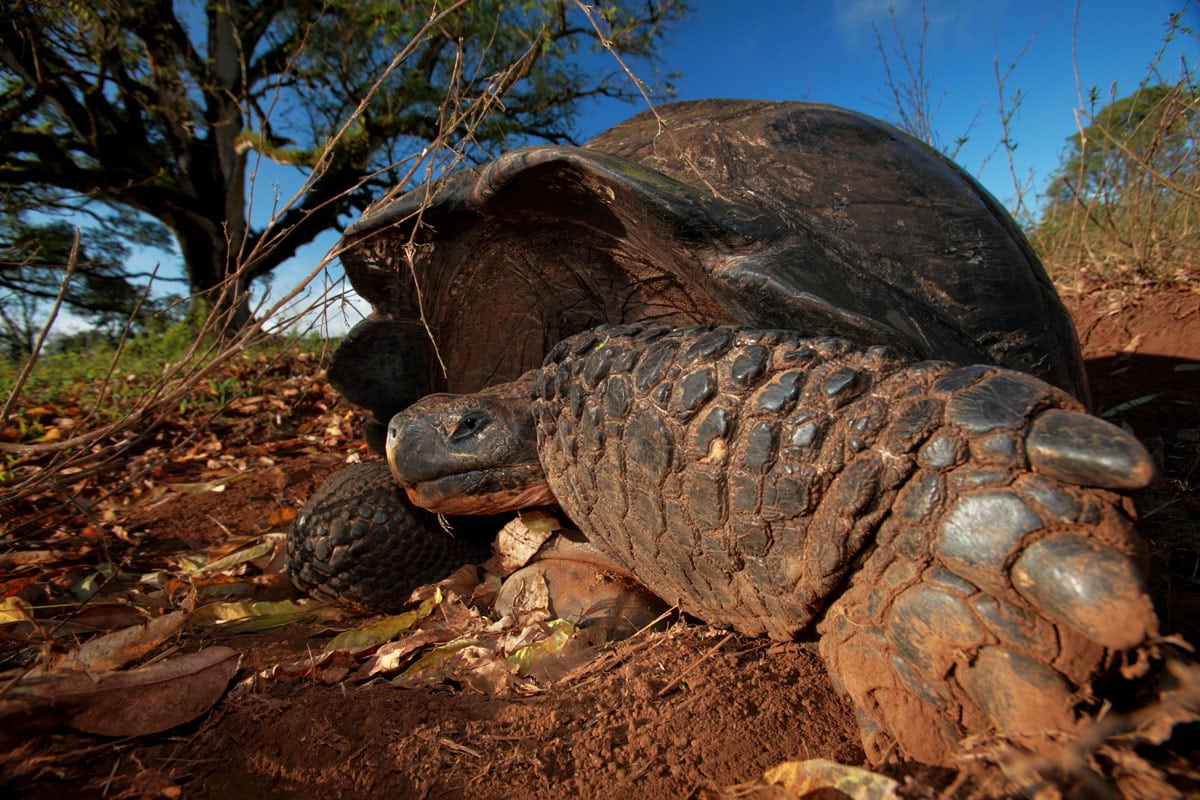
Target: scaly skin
(360,542)
(980,577)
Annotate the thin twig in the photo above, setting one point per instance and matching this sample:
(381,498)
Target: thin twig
(692,667)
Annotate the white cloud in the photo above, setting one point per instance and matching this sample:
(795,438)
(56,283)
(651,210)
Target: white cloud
(949,20)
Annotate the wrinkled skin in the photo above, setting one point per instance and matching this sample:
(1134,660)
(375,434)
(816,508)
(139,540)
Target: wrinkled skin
(957,535)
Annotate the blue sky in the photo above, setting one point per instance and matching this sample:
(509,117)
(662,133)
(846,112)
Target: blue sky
(827,52)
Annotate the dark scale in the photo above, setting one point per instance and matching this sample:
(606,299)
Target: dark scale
(1004,400)
(654,364)
(695,389)
(597,366)
(762,443)
(841,385)
(709,346)
(749,365)
(779,396)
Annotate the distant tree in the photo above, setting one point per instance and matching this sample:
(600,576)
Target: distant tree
(33,266)
(1126,195)
(162,107)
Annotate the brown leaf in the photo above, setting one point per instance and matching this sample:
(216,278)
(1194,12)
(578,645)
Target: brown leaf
(517,542)
(101,617)
(118,648)
(140,701)
(155,698)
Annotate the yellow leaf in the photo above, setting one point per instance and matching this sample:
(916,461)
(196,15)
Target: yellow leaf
(14,609)
(526,657)
(800,778)
(375,634)
(250,553)
(250,617)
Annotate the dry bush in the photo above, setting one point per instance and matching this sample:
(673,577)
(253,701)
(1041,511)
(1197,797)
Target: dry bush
(1125,204)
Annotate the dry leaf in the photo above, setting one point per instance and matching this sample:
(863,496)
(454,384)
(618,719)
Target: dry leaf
(150,699)
(116,649)
(14,609)
(363,639)
(263,547)
(244,616)
(517,542)
(801,778)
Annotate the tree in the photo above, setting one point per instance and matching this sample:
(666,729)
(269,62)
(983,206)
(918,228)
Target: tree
(161,107)
(1126,194)
(34,259)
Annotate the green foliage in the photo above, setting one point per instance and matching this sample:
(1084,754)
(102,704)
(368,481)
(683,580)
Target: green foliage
(107,380)
(165,107)
(1126,200)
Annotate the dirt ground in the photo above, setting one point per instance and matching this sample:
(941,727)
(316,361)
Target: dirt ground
(683,713)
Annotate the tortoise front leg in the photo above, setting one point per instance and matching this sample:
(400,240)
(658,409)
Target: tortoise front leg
(359,541)
(960,533)
(1003,583)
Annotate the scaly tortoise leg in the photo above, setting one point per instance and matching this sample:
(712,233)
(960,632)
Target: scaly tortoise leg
(959,533)
(359,541)
(1004,581)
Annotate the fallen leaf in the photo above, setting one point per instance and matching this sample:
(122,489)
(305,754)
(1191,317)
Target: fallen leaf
(392,656)
(517,542)
(144,700)
(257,550)
(1128,405)
(116,649)
(525,657)
(214,485)
(84,588)
(801,778)
(21,558)
(375,634)
(250,617)
(15,609)
(100,617)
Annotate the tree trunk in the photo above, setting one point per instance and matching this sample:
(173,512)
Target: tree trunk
(214,235)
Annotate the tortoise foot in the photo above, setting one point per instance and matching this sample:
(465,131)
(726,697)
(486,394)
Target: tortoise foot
(997,619)
(358,541)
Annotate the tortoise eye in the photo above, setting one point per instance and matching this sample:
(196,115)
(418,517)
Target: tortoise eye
(468,426)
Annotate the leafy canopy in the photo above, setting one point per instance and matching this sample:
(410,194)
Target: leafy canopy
(162,108)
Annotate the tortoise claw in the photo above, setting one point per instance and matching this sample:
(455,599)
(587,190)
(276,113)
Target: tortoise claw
(1087,451)
(1088,586)
(1022,695)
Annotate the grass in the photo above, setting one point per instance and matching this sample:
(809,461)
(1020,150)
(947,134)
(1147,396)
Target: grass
(75,408)
(107,380)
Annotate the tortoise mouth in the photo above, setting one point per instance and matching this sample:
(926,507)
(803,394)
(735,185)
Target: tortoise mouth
(484,491)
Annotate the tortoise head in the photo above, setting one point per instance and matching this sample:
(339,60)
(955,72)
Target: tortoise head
(470,454)
(789,215)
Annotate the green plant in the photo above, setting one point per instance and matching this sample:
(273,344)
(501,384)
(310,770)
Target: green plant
(1125,202)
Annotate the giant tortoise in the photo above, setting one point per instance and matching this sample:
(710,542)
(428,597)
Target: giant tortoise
(794,370)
